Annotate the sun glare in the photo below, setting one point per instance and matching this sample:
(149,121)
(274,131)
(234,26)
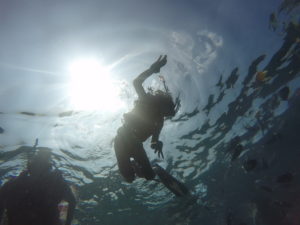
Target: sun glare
(91,87)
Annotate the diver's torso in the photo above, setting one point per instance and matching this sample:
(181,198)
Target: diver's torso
(143,120)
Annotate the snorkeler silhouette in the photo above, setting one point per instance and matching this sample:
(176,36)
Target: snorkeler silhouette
(145,120)
(32,198)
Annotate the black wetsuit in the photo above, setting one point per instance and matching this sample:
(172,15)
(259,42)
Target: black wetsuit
(143,121)
(33,200)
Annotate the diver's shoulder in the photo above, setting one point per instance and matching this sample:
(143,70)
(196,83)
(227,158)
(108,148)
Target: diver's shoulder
(14,181)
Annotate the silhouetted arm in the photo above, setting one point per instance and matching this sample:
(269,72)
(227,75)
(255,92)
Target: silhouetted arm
(156,144)
(67,195)
(157,130)
(154,68)
(70,198)
(138,83)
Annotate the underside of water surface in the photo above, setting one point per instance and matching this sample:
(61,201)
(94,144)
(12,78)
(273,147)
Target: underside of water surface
(234,142)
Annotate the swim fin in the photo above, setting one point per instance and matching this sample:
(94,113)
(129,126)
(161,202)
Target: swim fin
(170,182)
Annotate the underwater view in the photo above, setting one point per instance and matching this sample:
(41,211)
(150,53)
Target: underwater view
(215,84)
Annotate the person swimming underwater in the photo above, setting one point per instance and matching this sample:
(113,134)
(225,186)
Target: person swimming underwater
(32,198)
(145,120)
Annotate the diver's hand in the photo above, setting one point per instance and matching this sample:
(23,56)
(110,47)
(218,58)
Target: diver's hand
(157,146)
(159,63)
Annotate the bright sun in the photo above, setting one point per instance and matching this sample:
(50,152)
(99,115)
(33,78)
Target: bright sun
(91,87)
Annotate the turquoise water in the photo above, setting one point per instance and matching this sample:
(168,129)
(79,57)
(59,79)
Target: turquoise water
(226,62)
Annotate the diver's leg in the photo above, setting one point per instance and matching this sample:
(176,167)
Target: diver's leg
(137,169)
(141,158)
(123,159)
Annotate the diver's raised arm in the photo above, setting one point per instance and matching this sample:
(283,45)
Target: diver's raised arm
(154,68)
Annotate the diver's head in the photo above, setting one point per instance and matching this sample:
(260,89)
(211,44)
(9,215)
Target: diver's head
(40,163)
(165,103)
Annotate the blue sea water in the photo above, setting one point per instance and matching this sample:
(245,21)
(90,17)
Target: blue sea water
(233,141)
